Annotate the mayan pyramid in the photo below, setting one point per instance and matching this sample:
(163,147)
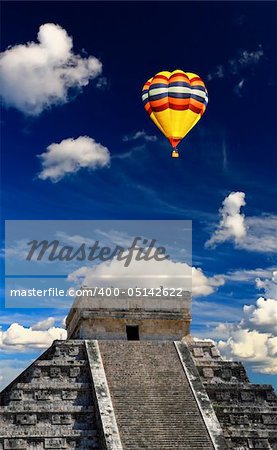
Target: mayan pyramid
(130,376)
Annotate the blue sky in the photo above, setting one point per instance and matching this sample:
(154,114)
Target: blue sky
(232,149)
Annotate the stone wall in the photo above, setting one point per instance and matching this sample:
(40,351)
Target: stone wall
(165,326)
(101,318)
(50,405)
(247,412)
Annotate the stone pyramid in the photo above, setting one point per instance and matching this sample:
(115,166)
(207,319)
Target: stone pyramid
(161,391)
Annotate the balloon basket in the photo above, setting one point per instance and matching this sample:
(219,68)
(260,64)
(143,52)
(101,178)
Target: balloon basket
(175,153)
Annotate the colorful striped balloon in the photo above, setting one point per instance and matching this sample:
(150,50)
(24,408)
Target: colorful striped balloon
(175,102)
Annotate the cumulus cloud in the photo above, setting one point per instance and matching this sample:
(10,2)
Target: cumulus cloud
(232,223)
(17,337)
(250,345)
(249,233)
(254,338)
(43,325)
(71,155)
(37,75)
(150,274)
(262,316)
(140,135)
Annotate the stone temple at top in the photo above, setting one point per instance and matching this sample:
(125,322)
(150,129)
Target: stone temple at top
(131,377)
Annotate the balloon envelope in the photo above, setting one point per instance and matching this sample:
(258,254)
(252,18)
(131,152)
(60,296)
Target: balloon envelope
(175,102)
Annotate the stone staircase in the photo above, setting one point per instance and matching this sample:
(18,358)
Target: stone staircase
(153,402)
(246,412)
(50,405)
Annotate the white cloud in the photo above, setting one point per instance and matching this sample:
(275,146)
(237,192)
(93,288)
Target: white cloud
(44,325)
(254,338)
(263,316)
(35,76)
(18,337)
(268,285)
(150,274)
(246,59)
(232,223)
(140,135)
(203,285)
(244,275)
(71,155)
(242,61)
(248,233)
(250,345)
(261,234)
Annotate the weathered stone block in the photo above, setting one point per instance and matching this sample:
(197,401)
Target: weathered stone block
(226,395)
(214,352)
(73,351)
(247,396)
(208,372)
(55,372)
(239,446)
(223,395)
(226,374)
(270,396)
(55,443)
(198,351)
(61,419)
(270,419)
(15,444)
(239,419)
(42,395)
(37,372)
(26,419)
(16,395)
(74,372)
(69,395)
(258,443)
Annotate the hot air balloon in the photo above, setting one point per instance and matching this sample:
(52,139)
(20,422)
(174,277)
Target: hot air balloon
(175,102)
